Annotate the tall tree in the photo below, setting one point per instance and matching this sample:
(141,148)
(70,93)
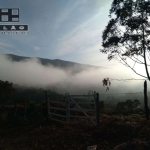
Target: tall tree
(127,34)
(6,91)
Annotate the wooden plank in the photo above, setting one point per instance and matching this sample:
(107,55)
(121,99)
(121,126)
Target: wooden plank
(83,111)
(88,110)
(81,96)
(57,102)
(85,117)
(83,103)
(58,120)
(57,108)
(83,124)
(53,114)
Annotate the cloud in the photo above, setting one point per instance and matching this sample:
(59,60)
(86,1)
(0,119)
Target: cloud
(78,39)
(66,12)
(84,41)
(30,72)
(6,45)
(36,48)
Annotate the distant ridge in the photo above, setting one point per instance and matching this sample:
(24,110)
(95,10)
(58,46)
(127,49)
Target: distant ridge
(77,67)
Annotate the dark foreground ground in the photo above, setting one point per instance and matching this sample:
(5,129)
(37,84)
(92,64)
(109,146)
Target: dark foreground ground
(111,131)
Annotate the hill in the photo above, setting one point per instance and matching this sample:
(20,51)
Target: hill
(77,67)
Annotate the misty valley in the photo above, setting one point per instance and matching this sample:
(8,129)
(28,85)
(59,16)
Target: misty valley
(24,119)
(95,116)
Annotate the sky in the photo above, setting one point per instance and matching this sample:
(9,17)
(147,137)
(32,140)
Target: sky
(61,29)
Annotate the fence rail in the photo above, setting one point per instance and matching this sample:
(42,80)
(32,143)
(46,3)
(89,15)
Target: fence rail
(72,106)
(57,108)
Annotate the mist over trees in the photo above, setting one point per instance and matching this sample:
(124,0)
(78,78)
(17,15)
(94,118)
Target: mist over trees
(11,94)
(49,77)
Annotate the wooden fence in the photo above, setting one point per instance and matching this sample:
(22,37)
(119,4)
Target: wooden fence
(74,108)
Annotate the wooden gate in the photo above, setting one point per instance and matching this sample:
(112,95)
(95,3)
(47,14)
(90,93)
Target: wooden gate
(80,109)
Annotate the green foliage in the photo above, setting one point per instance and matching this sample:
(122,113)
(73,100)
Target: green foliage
(123,36)
(128,106)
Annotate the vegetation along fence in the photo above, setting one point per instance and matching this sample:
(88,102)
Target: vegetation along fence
(81,109)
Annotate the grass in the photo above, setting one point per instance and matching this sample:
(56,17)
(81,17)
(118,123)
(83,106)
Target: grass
(111,131)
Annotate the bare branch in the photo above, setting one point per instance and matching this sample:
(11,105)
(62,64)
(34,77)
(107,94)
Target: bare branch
(148,55)
(132,68)
(134,64)
(136,59)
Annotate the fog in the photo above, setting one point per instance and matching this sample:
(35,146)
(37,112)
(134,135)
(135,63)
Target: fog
(32,73)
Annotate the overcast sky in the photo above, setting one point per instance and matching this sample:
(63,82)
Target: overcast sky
(59,29)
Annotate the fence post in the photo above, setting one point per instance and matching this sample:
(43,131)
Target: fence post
(146,100)
(68,107)
(48,106)
(25,108)
(97,108)
(41,108)
(15,109)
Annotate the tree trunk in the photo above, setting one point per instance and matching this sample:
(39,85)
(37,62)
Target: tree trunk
(146,101)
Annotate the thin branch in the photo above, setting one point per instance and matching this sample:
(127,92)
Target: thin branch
(121,62)
(134,64)
(148,55)
(148,52)
(136,59)
(140,62)
(131,68)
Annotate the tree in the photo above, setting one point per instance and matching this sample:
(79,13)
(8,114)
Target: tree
(126,37)
(128,105)
(6,91)
(136,103)
(121,106)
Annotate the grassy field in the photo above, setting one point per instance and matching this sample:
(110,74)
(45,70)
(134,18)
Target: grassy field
(49,135)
